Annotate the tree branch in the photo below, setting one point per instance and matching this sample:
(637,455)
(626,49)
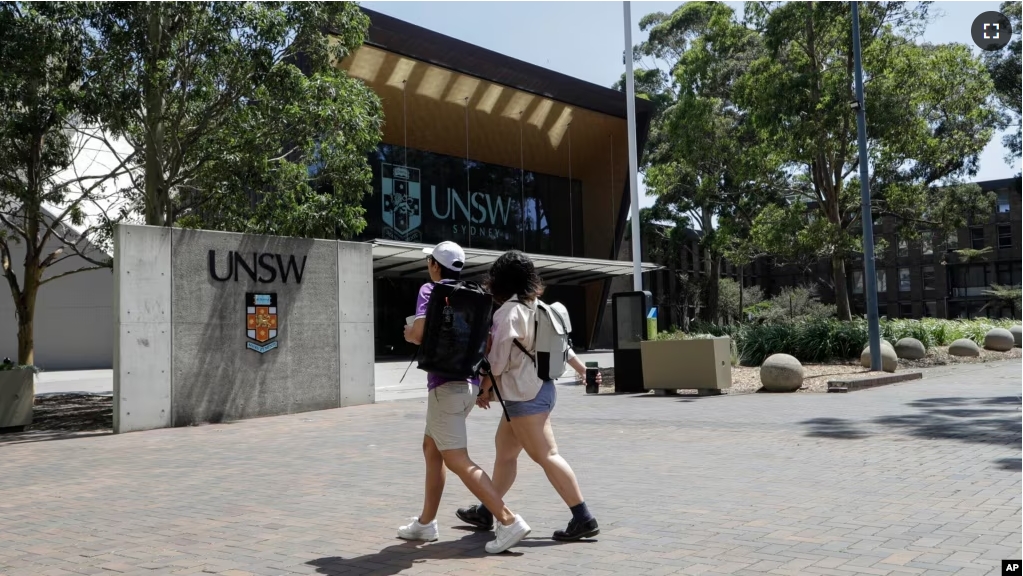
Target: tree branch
(70,272)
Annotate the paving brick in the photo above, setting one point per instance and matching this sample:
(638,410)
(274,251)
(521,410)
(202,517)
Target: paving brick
(900,480)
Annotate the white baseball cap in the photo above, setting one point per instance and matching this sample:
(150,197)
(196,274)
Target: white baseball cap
(447,254)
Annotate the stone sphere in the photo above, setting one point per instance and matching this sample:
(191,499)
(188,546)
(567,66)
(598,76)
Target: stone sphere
(1017,335)
(965,348)
(910,349)
(999,340)
(781,373)
(889,359)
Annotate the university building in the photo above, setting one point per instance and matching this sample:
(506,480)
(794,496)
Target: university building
(495,154)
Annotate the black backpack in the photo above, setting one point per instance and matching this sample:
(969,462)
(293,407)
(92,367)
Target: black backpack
(458,319)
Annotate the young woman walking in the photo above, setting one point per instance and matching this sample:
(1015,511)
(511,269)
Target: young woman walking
(516,286)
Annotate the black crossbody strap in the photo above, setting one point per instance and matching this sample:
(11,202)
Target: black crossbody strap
(536,329)
(485,367)
(497,391)
(524,351)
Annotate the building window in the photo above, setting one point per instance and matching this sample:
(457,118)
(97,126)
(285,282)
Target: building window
(931,309)
(904,280)
(882,310)
(882,281)
(1005,236)
(857,287)
(1007,274)
(1003,202)
(927,245)
(952,242)
(928,277)
(977,238)
(905,310)
(903,248)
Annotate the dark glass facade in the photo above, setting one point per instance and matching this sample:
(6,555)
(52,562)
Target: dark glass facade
(427,198)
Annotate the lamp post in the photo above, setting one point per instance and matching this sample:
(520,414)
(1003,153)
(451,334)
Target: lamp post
(870,276)
(630,103)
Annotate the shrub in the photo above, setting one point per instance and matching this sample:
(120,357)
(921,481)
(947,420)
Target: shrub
(824,339)
(793,304)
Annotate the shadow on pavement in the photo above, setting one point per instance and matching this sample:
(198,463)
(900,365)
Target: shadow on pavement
(836,428)
(994,421)
(47,436)
(1010,464)
(400,557)
(66,416)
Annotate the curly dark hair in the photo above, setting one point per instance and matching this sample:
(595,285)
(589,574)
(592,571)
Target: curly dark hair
(513,274)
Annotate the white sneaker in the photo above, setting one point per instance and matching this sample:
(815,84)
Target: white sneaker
(417,531)
(508,536)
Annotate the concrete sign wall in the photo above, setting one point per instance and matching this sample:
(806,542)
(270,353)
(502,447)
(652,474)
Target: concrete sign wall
(216,326)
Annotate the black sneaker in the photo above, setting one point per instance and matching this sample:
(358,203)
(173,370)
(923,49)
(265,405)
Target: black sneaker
(578,530)
(474,516)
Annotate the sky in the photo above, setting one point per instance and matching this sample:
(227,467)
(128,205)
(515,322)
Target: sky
(585,40)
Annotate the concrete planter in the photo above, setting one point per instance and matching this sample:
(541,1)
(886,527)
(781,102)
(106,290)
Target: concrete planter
(17,395)
(704,365)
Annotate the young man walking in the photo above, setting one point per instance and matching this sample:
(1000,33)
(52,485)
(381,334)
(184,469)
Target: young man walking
(445,442)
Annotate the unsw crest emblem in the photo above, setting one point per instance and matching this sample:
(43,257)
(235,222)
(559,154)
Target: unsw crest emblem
(402,198)
(261,324)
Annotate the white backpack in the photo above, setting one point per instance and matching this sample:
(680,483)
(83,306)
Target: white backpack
(552,341)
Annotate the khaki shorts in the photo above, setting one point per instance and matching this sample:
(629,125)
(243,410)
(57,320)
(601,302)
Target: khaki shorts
(446,410)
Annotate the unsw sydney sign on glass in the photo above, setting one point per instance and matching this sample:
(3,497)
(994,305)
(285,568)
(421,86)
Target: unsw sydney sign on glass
(474,213)
(424,197)
(261,309)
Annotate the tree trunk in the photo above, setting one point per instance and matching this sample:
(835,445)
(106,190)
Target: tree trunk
(713,284)
(25,304)
(742,315)
(156,201)
(25,312)
(841,291)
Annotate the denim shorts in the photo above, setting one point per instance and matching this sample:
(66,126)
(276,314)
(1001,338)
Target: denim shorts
(544,402)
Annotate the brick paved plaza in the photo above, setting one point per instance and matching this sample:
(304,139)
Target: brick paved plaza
(920,478)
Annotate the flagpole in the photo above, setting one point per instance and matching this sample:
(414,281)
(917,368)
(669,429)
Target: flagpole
(630,102)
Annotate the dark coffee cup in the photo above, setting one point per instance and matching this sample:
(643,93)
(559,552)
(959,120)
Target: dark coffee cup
(591,378)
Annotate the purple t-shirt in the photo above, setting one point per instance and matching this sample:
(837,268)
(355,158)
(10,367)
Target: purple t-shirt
(422,301)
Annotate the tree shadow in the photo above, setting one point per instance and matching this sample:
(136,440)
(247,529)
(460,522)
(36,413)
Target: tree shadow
(46,436)
(1010,464)
(403,556)
(62,416)
(979,430)
(989,421)
(835,428)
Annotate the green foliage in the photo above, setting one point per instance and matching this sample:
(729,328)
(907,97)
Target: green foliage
(48,99)
(968,255)
(7,364)
(813,340)
(929,115)
(1004,67)
(705,162)
(241,118)
(819,340)
(729,300)
(1001,295)
(794,303)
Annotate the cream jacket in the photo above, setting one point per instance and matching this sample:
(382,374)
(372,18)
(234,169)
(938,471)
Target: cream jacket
(514,371)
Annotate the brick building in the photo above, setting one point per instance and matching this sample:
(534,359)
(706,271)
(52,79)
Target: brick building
(921,278)
(926,278)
